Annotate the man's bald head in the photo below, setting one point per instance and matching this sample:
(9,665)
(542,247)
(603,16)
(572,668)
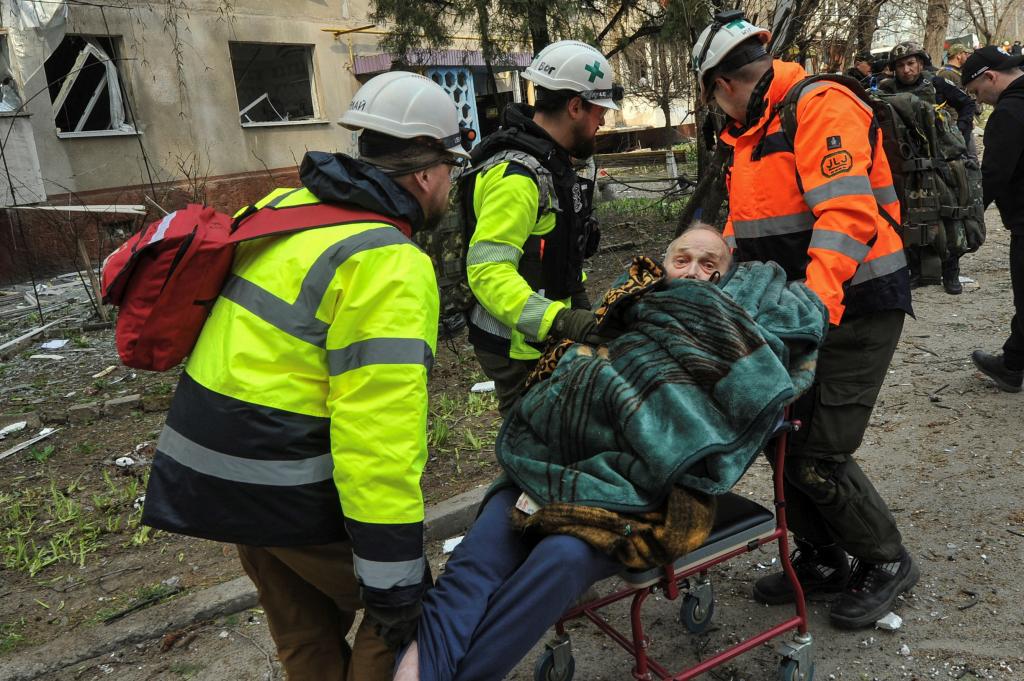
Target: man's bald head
(698,253)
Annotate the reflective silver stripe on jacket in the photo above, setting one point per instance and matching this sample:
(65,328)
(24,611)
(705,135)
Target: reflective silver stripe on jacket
(774,226)
(813,87)
(276,312)
(388,575)
(279,473)
(841,186)
(485,321)
(380,351)
(532,316)
(879,267)
(839,243)
(274,202)
(298,319)
(885,195)
(483,252)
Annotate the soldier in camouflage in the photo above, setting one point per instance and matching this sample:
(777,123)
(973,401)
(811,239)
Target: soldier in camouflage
(911,68)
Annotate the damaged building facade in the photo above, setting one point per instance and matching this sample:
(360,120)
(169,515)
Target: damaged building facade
(111,112)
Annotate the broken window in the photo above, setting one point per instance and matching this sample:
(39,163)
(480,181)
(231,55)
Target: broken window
(274,82)
(85,86)
(10,97)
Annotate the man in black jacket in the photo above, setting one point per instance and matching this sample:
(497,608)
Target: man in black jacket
(996,78)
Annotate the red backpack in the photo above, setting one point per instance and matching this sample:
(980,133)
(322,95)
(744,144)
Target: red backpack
(166,277)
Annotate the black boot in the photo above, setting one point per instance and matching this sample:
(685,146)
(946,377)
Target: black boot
(994,367)
(872,591)
(823,571)
(951,277)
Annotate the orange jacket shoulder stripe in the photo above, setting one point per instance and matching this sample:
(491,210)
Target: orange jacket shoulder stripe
(812,204)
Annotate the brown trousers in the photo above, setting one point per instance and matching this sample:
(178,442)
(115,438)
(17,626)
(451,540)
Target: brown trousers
(311,595)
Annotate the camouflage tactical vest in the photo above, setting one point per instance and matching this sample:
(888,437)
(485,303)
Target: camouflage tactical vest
(448,243)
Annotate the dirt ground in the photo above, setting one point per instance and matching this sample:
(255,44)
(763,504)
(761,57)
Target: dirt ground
(943,448)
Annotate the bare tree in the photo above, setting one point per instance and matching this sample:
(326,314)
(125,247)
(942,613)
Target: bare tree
(935,24)
(655,71)
(993,19)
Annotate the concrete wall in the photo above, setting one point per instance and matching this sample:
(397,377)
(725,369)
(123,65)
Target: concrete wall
(195,124)
(195,121)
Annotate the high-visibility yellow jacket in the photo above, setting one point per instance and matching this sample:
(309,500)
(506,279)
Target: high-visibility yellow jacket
(503,264)
(301,415)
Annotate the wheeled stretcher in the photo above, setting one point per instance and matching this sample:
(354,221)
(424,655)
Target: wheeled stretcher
(740,526)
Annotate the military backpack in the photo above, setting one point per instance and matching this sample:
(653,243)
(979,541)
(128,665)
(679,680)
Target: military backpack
(938,187)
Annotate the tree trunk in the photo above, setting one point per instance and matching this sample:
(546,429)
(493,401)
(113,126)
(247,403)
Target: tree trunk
(935,24)
(538,18)
(665,93)
(666,110)
(866,23)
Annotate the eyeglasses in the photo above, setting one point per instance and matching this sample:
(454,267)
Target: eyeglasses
(456,164)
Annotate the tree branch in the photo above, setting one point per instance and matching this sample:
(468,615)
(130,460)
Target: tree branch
(619,13)
(642,32)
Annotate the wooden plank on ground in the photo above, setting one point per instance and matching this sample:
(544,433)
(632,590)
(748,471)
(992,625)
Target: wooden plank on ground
(16,344)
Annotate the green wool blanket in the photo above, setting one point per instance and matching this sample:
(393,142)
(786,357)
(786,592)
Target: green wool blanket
(688,395)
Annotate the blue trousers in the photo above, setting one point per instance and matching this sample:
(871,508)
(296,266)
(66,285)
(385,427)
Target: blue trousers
(499,594)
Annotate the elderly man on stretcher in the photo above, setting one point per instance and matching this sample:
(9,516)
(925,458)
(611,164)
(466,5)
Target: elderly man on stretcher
(615,454)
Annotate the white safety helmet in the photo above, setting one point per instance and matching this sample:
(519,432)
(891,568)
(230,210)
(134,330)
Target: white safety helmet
(572,65)
(719,39)
(407,105)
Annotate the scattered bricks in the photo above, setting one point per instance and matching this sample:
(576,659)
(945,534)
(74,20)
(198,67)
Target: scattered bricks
(122,406)
(84,413)
(52,415)
(156,402)
(30,418)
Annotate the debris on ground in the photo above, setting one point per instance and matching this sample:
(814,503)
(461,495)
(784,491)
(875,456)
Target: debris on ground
(450,544)
(41,435)
(890,622)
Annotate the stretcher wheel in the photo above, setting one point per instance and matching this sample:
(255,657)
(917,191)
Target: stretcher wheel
(695,617)
(789,670)
(544,670)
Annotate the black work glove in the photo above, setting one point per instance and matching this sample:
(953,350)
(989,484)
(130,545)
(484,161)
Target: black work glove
(580,300)
(581,326)
(397,626)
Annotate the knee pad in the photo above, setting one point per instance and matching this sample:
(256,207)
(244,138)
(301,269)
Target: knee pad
(814,477)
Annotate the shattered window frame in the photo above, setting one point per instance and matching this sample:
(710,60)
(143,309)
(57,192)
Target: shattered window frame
(75,82)
(269,103)
(11,99)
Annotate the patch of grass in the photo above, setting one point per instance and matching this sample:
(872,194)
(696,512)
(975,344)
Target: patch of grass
(80,341)
(161,389)
(40,454)
(458,428)
(11,636)
(185,670)
(49,524)
(85,447)
(116,605)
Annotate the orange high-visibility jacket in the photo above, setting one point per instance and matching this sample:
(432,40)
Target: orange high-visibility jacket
(813,205)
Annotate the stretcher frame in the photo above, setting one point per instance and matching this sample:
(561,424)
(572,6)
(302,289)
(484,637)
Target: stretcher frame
(688,576)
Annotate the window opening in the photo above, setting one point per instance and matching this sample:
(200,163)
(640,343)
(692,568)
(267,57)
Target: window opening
(274,82)
(85,86)
(10,96)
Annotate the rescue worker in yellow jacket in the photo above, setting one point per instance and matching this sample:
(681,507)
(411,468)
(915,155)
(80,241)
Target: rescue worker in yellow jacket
(298,428)
(531,216)
(820,205)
